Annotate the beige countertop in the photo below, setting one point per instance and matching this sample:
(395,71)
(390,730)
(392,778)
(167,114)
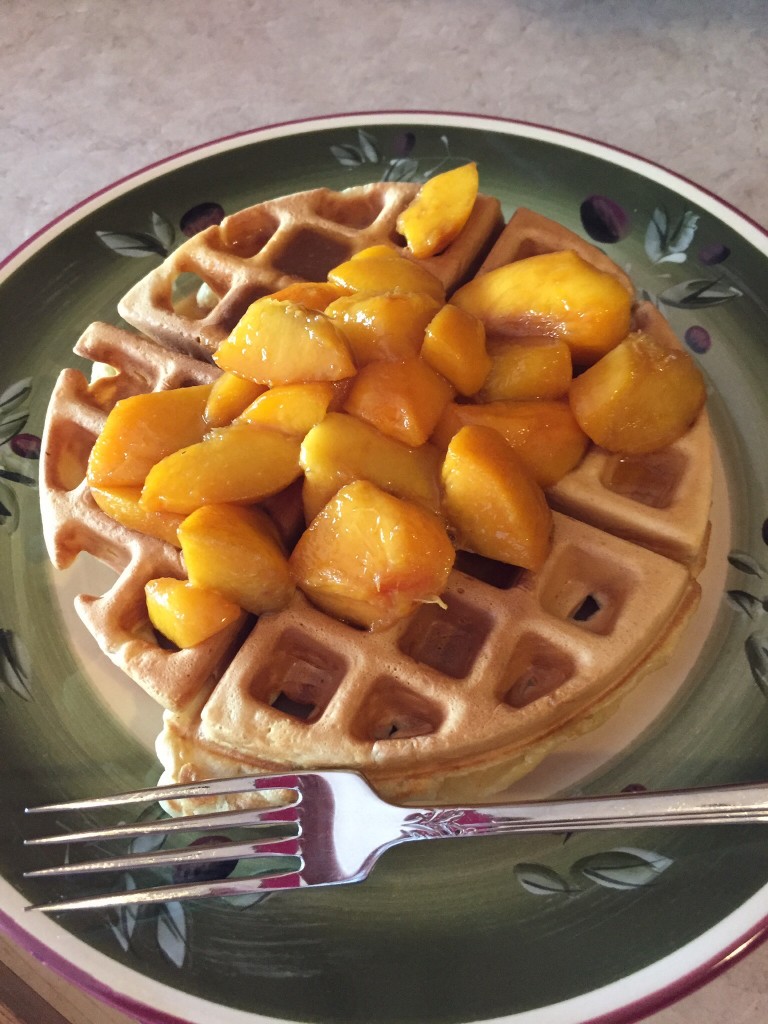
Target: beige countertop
(95,89)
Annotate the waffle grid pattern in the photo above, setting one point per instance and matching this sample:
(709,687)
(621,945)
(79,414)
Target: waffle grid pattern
(451,701)
(267,247)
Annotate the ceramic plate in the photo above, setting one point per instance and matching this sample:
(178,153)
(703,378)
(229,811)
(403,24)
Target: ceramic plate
(556,929)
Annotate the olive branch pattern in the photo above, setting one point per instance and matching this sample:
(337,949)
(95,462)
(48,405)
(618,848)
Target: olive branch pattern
(755,607)
(19,453)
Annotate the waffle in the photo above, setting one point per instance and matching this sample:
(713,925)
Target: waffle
(267,247)
(451,703)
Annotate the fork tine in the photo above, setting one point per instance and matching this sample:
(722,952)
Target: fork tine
(275,882)
(193,823)
(261,848)
(176,791)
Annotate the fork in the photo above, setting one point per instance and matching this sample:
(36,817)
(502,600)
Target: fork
(338,828)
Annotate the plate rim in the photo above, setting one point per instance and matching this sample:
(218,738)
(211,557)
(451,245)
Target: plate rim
(743,937)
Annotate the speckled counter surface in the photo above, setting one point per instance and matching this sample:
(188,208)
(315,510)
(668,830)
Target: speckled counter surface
(94,89)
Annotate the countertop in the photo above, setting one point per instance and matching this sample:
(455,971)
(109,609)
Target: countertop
(95,89)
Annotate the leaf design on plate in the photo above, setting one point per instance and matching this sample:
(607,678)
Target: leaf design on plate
(623,867)
(164,231)
(368,146)
(540,880)
(403,168)
(17,478)
(136,244)
(756,647)
(9,509)
(15,394)
(743,601)
(11,424)
(667,241)
(122,920)
(148,843)
(744,562)
(348,156)
(698,294)
(14,674)
(172,932)
(246,899)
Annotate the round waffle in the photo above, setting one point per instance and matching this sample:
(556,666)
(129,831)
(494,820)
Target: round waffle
(451,703)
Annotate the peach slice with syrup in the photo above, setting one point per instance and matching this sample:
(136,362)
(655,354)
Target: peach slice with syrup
(285,343)
(556,294)
(440,210)
(545,435)
(141,430)
(312,294)
(237,553)
(403,400)
(527,368)
(122,504)
(185,614)
(292,408)
(640,397)
(383,268)
(387,326)
(343,448)
(370,558)
(229,396)
(492,501)
(239,464)
(454,345)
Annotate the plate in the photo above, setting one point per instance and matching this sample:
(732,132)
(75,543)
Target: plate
(557,929)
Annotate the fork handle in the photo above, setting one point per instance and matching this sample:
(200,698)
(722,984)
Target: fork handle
(746,804)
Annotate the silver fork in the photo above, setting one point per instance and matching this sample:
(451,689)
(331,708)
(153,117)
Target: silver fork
(337,828)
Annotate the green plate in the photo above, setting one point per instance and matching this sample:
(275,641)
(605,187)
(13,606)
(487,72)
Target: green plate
(556,929)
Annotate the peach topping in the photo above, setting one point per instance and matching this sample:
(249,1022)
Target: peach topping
(388,427)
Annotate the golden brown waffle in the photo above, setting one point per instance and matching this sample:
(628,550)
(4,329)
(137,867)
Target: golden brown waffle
(450,703)
(446,705)
(265,248)
(73,523)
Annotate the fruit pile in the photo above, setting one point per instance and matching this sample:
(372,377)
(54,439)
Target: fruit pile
(364,428)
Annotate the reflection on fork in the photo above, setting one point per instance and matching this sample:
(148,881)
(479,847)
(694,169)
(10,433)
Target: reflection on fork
(331,828)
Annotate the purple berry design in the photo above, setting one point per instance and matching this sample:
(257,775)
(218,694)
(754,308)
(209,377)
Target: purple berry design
(200,217)
(711,255)
(604,220)
(404,143)
(698,339)
(205,871)
(26,446)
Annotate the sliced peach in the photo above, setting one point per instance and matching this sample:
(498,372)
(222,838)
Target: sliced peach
(236,552)
(440,210)
(527,368)
(492,500)
(545,435)
(640,397)
(240,464)
(284,343)
(312,294)
(292,408)
(403,400)
(557,294)
(122,505)
(342,448)
(370,558)
(454,345)
(229,396)
(143,429)
(387,326)
(185,614)
(382,269)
